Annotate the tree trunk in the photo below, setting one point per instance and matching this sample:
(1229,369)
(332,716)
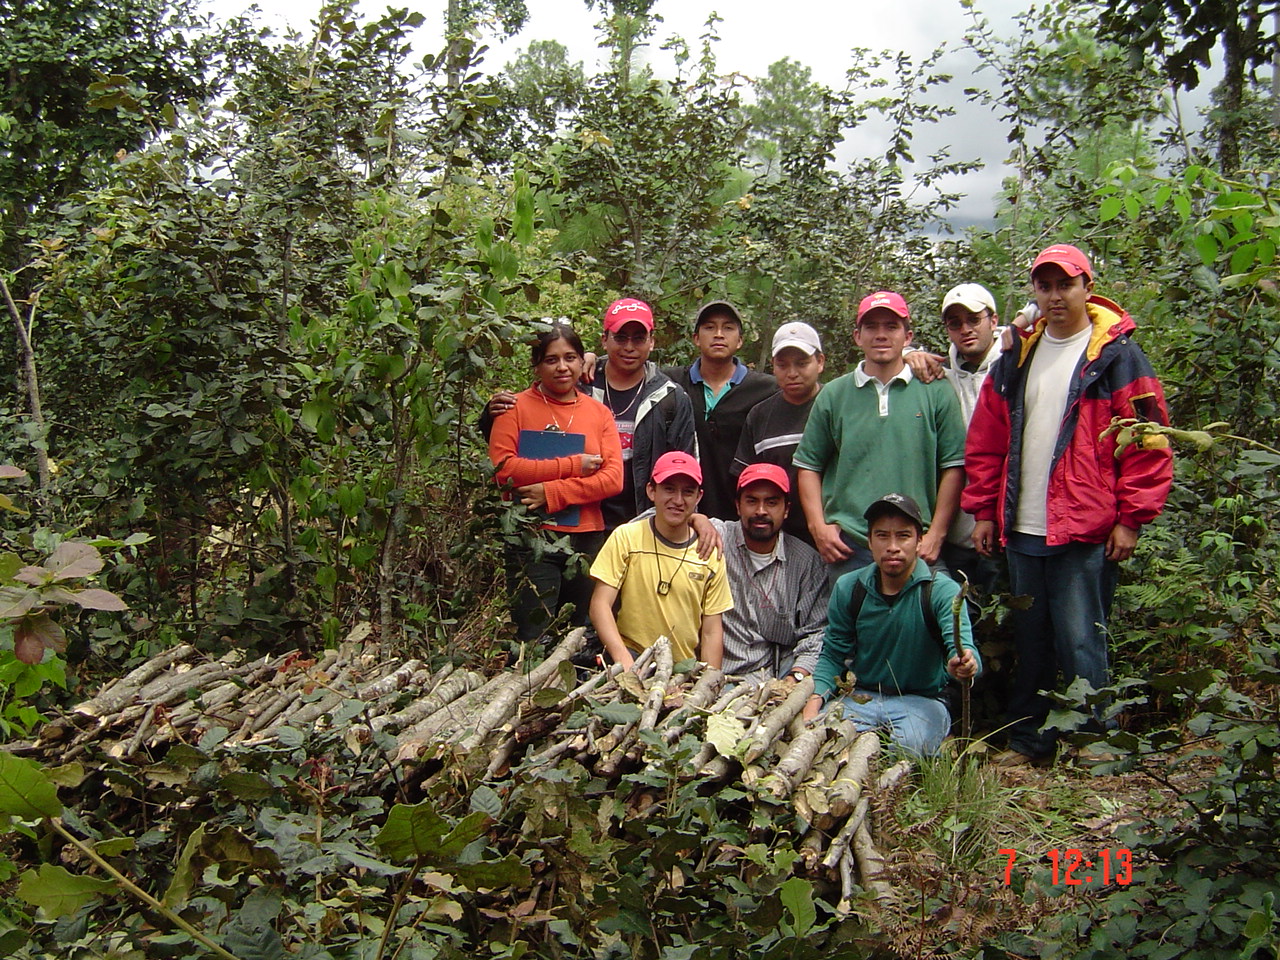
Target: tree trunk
(1233,45)
(27,358)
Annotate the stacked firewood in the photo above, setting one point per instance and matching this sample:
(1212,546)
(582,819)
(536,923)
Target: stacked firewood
(519,720)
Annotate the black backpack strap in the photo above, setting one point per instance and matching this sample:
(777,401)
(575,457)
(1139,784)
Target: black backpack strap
(856,600)
(667,408)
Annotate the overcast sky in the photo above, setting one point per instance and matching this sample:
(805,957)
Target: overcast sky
(756,33)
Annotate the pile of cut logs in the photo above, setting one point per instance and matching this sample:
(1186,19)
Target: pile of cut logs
(515,721)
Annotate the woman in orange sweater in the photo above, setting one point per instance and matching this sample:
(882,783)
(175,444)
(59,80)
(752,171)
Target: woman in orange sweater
(568,487)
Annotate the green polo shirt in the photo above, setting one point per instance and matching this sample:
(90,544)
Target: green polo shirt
(866,444)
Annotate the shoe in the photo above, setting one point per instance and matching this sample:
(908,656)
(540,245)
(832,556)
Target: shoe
(1013,758)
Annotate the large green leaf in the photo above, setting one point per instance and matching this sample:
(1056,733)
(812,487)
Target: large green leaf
(797,896)
(617,712)
(59,892)
(183,876)
(489,874)
(411,831)
(25,790)
(417,830)
(15,601)
(90,599)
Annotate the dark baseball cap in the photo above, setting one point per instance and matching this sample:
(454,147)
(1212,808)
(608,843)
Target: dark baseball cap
(716,308)
(895,503)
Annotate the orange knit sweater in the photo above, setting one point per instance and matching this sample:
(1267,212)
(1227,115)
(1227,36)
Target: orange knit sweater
(561,477)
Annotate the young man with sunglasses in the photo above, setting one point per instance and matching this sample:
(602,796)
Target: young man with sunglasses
(973,327)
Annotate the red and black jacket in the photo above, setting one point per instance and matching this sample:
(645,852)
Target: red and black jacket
(1090,488)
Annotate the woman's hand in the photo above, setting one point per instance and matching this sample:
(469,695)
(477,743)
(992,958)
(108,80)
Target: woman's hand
(534,496)
(501,402)
(591,463)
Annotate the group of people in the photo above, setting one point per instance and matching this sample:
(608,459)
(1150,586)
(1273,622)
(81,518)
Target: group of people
(777,527)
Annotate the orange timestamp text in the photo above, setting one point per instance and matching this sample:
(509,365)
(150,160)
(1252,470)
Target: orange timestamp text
(1072,868)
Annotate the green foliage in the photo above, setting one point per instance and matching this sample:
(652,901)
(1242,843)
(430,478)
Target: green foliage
(72,73)
(1183,37)
(264,330)
(820,239)
(638,184)
(31,640)
(1207,615)
(269,845)
(1074,105)
(297,445)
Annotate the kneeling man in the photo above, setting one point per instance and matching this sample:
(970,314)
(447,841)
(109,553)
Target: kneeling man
(891,624)
(780,586)
(651,568)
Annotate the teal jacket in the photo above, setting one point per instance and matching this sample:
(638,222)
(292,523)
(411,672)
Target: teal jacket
(896,654)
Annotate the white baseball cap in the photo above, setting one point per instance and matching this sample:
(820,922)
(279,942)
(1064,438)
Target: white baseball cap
(798,335)
(974,297)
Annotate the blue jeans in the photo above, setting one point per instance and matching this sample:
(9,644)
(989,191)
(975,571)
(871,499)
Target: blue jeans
(917,724)
(859,558)
(1064,629)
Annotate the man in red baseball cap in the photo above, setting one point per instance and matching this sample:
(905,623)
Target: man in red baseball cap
(779,583)
(1049,484)
(652,570)
(653,415)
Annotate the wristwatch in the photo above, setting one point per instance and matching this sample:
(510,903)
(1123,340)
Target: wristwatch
(797,675)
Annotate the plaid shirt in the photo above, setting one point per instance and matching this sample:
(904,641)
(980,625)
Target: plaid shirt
(779,612)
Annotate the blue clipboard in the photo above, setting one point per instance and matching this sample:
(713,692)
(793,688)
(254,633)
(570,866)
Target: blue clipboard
(551,445)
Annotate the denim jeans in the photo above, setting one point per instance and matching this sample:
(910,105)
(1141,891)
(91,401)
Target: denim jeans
(859,558)
(917,724)
(1064,630)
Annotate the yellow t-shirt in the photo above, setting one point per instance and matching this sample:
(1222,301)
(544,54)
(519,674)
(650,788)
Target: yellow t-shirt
(637,560)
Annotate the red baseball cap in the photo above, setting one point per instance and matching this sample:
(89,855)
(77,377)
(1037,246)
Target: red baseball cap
(1071,259)
(677,463)
(886,299)
(765,471)
(627,310)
